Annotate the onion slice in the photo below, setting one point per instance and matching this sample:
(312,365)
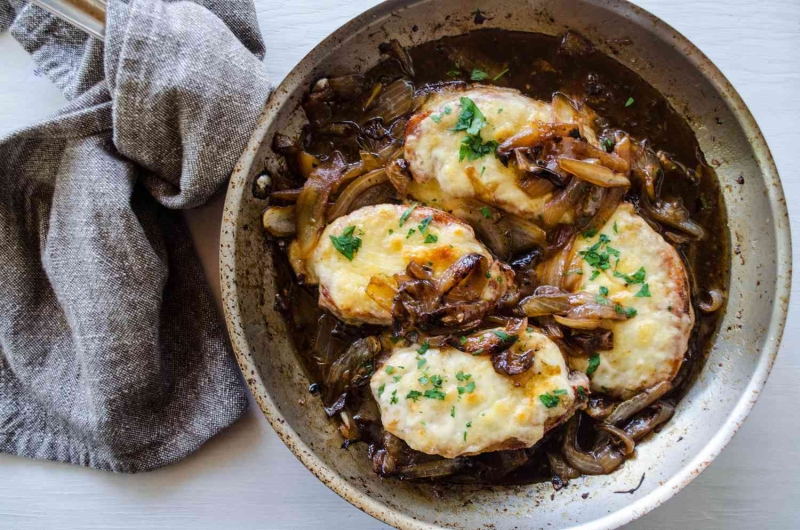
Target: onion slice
(594,173)
(280,221)
(351,192)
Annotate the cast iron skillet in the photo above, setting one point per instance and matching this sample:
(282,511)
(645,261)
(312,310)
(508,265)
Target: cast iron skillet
(744,349)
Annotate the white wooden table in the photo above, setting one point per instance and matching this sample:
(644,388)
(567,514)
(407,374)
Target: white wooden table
(245,477)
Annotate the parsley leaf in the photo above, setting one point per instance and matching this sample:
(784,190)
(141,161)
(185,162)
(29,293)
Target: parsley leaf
(594,362)
(629,102)
(581,392)
(467,389)
(414,394)
(436,381)
(421,363)
(560,392)
(501,74)
(461,376)
(616,231)
(636,277)
(436,118)
(486,212)
(381,389)
(389,370)
(471,119)
(607,144)
(473,148)
(431,238)
(424,348)
(407,213)
(453,411)
(478,75)
(549,400)
(434,393)
(347,244)
(423,226)
(393,401)
(590,233)
(644,292)
(630,312)
(501,334)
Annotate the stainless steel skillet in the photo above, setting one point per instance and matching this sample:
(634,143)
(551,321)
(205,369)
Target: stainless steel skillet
(744,349)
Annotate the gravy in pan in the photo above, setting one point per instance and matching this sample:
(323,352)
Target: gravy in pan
(537,66)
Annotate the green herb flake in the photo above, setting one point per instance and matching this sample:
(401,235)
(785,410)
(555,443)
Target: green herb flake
(470,119)
(500,110)
(453,411)
(455,72)
(381,389)
(483,170)
(396,379)
(436,381)
(636,277)
(465,436)
(604,290)
(478,74)
(549,400)
(501,74)
(389,370)
(469,424)
(595,274)
(501,334)
(478,352)
(437,118)
(616,231)
(407,213)
(347,244)
(423,225)
(461,376)
(447,109)
(410,233)
(581,392)
(607,144)
(393,401)
(594,362)
(421,363)
(644,292)
(414,395)
(423,380)
(629,102)
(630,312)
(424,348)
(466,389)
(590,233)
(434,393)
(560,392)
(462,340)
(473,148)
(431,238)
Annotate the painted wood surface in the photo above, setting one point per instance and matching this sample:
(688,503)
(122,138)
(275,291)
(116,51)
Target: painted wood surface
(245,478)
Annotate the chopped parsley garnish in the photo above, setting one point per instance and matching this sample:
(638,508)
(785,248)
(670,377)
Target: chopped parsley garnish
(501,74)
(501,334)
(604,290)
(473,148)
(486,212)
(478,352)
(465,436)
(560,392)
(574,271)
(636,277)
(644,292)
(421,363)
(607,144)
(469,424)
(466,389)
(347,244)
(423,380)
(549,400)
(410,233)
(483,170)
(436,381)
(461,376)
(396,378)
(436,118)
(629,102)
(595,274)
(471,119)
(434,393)
(594,362)
(453,411)
(630,312)
(462,340)
(381,389)
(414,395)
(389,370)
(455,72)
(431,238)
(391,231)
(581,392)
(500,110)
(478,74)
(590,233)
(447,109)
(393,401)
(423,226)
(424,348)
(407,213)
(616,231)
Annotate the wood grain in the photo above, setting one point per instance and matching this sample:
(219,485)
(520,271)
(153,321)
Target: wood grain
(245,478)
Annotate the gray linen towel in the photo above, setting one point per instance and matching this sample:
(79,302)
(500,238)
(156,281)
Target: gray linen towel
(112,354)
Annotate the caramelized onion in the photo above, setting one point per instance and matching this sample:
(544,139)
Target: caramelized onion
(621,435)
(399,176)
(628,408)
(560,468)
(642,425)
(672,214)
(433,469)
(393,101)
(578,323)
(504,233)
(312,203)
(381,291)
(395,50)
(354,190)
(279,221)
(716,299)
(565,201)
(352,367)
(593,173)
(286,195)
(597,462)
(535,135)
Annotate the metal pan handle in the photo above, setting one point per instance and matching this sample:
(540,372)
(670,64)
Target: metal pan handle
(86,15)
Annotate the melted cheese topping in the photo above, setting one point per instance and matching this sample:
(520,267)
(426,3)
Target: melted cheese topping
(500,412)
(387,247)
(649,347)
(432,150)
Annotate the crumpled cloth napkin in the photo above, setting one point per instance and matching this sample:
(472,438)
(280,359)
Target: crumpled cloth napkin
(112,354)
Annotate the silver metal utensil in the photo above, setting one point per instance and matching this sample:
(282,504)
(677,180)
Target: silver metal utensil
(86,15)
